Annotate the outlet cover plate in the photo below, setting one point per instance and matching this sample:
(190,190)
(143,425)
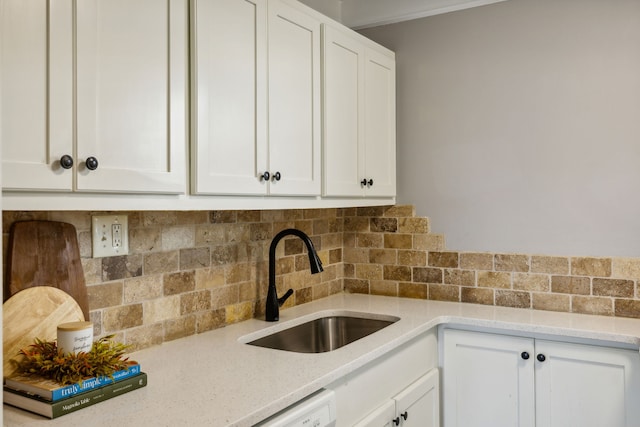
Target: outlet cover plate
(110,235)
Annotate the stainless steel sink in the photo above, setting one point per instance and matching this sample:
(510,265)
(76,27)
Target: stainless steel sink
(324,334)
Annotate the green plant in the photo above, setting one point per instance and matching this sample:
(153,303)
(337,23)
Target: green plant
(44,359)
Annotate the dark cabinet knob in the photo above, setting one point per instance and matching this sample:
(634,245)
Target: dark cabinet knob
(277,176)
(396,421)
(91,163)
(404,415)
(541,357)
(524,355)
(366,182)
(66,161)
(265,176)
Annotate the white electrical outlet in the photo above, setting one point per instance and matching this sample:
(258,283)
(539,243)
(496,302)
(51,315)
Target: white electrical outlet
(110,235)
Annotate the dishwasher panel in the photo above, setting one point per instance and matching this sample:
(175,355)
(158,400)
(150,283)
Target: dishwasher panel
(317,410)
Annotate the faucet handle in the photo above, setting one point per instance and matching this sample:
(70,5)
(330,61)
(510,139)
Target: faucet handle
(284,297)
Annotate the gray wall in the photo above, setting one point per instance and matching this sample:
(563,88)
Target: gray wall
(519,125)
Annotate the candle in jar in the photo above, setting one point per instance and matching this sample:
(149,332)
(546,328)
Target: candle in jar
(75,337)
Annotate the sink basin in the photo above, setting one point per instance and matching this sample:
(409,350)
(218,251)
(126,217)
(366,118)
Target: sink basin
(324,334)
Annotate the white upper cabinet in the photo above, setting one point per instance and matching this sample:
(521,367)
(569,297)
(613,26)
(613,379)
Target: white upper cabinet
(112,96)
(36,94)
(359,117)
(229,86)
(256,117)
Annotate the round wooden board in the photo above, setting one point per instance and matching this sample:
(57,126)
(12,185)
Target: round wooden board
(34,313)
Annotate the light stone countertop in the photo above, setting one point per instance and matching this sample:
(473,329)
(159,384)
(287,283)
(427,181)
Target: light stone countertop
(213,379)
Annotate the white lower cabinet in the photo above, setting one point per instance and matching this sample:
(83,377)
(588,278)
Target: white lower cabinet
(415,406)
(403,382)
(500,380)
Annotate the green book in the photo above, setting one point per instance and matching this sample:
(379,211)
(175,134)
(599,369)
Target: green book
(59,408)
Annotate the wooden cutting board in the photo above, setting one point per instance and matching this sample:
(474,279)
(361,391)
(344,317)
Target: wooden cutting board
(45,253)
(34,313)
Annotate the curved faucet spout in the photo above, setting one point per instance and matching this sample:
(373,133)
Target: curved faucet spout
(272,309)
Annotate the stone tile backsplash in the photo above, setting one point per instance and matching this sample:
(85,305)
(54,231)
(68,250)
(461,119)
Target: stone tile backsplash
(189,272)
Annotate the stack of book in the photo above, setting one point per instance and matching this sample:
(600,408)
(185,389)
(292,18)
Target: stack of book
(50,399)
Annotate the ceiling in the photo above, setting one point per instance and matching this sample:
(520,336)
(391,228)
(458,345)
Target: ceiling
(370,13)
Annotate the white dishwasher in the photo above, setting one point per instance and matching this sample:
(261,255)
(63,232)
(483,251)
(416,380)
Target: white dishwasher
(317,410)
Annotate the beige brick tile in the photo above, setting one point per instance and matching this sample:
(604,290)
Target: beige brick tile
(143,240)
(550,265)
(627,308)
(356,286)
(248,216)
(92,268)
(356,224)
(236,273)
(613,288)
(192,258)
(191,217)
(210,234)
(161,262)
(571,285)
(626,268)
(476,261)
(413,290)
(178,237)
(105,295)
(511,262)
(443,259)
(459,277)
(208,278)
(369,271)
(444,292)
(384,225)
(142,288)
(179,328)
(177,283)
(492,279)
(383,256)
(551,302)
(518,299)
(304,295)
(412,258)
(356,255)
(477,295)
(427,275)
(400,211)
(397,272)
(413,225)
(370,240)
(165,218)
(239,312)
(384,287)
(144,337)
(223,217)
(122,317)
(531,282)
(592,305)
(161,309)
(599,267)
(192,302)
(428,242)
(210,320)
(398,241)
(224,296)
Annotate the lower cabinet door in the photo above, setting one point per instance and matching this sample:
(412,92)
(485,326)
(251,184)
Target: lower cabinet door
(581,385)
(381,417)
(488,380)
(419,405)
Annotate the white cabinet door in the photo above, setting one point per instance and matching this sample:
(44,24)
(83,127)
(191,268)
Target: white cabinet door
(419,404)
(343,157)
(294,100)
(381,417)
(380,123)
(586,386)
(131,59)
(359,118)
(229,98)
(36,89)
(486,381)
